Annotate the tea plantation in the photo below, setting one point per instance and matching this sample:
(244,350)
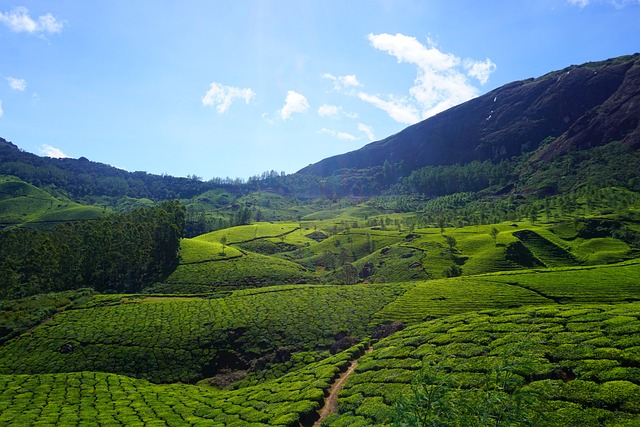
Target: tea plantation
(167,340)
(501,324)
(552,365)
(101,399)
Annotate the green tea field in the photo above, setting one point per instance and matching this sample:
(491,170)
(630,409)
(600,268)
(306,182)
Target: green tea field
(350,316)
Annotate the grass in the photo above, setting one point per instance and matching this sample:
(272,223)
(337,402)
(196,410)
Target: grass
(196,251)
(18,316)
(227,272)
(605,284)
(602,250)
(245,233)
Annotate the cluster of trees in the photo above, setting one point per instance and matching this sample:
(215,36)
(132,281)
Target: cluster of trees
(121,252)
(474,176)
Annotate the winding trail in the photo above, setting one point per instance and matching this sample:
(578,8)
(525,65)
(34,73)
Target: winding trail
(331,402)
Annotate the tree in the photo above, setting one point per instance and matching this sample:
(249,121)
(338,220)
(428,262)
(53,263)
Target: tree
(386,170)
(371,245)
(349,274)
(494,233)
(223,241)
(451,241)
(533,214)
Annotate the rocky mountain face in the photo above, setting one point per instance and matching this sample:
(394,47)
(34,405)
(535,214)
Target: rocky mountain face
(579,107)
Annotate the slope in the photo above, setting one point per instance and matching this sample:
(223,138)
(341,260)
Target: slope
(24,204)
(583,106)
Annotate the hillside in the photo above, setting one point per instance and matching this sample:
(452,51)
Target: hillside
(581,106)
(25,204)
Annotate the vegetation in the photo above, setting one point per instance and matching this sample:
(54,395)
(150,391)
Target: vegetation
(108,399)
(165,339)
(24,204)
(117,253)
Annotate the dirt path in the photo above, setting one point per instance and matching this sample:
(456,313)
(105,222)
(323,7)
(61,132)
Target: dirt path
(331,402)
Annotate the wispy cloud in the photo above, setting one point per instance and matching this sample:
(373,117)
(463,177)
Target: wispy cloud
(49,151)
(17,84)
(1,110)
(342,82)
(18,20)
(340,135)
(294,103)
(579,3)
(334,111)
(222,96)
(367,130)
(401,110)
(442,81)
(327,110)
(618,4)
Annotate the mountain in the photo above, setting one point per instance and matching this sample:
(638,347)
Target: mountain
(579,107)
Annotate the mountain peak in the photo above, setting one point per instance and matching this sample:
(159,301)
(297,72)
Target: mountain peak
(579,107)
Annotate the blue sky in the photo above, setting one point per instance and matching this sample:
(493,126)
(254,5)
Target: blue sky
(235,88)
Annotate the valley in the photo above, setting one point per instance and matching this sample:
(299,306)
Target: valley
(476,290)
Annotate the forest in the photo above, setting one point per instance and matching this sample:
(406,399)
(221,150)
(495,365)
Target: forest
(115,253)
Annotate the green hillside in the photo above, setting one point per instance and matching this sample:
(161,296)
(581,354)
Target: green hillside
(169,339)
(24,204)
(256,322)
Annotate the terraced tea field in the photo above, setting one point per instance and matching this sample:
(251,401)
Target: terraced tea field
(606,284)
(167,340)
(24,204)
(553,365)
(99,399)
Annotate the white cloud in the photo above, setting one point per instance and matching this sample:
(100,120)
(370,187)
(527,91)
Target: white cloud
(294,103)
(18,20)
(340,135)
(17,84)
(399,110)
(480,69)
(328,110)
(442,79)
(579,3)
(367,130)
(335,111)
(49,151)
(1,110)
(342,82)
(222,96)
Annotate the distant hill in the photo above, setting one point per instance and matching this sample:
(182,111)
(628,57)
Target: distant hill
(579,107)
(24,204)
(83,177)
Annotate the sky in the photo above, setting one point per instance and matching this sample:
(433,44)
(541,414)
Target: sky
(212,88)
